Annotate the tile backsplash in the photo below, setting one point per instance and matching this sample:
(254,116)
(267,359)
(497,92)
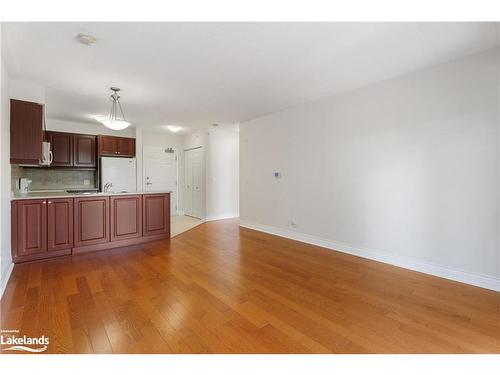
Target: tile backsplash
(53,179)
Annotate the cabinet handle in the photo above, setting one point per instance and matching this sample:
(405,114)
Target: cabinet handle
(44,202)
(50,202)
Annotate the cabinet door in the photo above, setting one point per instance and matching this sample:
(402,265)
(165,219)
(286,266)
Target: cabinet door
(84,151)
(156,214)
(26,132)
(61,145)
(59,224)
(91,219)
(126,217)
(31,227)
(108,145)
(126,147)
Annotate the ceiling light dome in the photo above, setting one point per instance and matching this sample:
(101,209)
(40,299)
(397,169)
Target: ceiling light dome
(87,39)
(113,122)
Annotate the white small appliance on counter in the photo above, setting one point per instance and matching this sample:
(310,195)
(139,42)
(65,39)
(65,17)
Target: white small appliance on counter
(24,184)
(118,175)
(47,156)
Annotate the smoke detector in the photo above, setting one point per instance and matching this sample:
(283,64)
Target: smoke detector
(87,39)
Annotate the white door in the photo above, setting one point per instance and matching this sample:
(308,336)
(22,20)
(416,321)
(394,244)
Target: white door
(194,187)
(188,182)
(160,173)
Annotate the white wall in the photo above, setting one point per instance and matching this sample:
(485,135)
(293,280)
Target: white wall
(222,176)
(5,255)
(405,171)
(194,139)
(27,91)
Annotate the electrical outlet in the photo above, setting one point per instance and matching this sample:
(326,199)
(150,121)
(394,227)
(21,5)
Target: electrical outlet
(292,223)
(86,182)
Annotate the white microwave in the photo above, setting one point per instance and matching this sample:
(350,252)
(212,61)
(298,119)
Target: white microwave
(46,155)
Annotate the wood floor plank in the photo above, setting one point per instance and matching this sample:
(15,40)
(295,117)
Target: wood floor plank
(219,288)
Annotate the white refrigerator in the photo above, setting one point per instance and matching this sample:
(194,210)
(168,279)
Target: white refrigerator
(120,173)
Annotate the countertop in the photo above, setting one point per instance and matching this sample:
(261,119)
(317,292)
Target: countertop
(63,194)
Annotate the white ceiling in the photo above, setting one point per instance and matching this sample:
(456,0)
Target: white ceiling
(195,74)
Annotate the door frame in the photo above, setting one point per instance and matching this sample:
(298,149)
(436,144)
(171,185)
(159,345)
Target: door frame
(159,148)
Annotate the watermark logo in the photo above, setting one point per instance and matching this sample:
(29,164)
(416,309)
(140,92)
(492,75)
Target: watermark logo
(10,340)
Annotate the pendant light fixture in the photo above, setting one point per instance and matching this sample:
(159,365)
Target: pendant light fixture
(114,122)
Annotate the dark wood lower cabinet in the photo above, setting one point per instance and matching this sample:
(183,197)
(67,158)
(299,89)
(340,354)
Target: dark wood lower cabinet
(126,217)
(156,214)
(91,220)
(59,224)
(44,228)
(31,227)
(41,228)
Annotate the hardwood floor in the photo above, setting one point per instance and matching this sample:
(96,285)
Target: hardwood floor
(219,288)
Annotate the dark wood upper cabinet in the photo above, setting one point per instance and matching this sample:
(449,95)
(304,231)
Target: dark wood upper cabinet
(116,146)
(91,221)
(84,147)
(126,217)
(59,224)
(156,214)
(73,150)
(126,146)
(26,132)
(61,145)
(31,224)
(107,145)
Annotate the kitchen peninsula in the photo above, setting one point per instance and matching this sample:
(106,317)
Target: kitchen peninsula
(47,225)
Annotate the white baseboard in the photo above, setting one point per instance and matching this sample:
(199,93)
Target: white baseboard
(6,278)
(221,217)
(483,281)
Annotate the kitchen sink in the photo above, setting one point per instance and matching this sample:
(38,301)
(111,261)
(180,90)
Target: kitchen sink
(80,192)
(84,192)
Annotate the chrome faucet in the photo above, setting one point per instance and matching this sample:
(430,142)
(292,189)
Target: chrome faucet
(107,185)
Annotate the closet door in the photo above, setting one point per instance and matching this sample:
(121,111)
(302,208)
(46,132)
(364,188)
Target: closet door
(197,185)
(188,183)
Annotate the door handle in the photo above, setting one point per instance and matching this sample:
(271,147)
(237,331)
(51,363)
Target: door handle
(149,183)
